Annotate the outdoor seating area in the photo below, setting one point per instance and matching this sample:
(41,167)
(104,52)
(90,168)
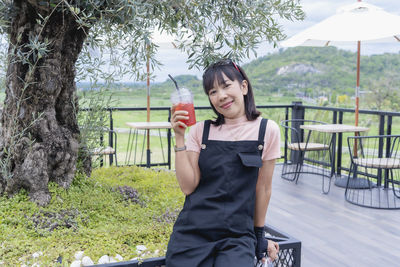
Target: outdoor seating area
(375,159)
(306,152)
(102,142)
(373,178)
(145,128)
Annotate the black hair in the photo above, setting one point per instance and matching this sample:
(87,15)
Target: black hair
(233,72)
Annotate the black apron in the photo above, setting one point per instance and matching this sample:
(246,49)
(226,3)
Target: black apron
(216,226)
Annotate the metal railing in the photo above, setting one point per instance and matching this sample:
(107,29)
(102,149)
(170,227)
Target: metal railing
(296,110)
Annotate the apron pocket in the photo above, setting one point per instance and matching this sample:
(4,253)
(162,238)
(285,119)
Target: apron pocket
(250,159)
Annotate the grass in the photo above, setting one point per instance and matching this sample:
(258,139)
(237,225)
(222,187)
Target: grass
(98,218)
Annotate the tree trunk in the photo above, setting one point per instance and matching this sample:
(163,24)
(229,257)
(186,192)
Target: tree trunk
(40,134)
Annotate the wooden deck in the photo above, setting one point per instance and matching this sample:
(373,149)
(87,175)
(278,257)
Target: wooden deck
(333,232)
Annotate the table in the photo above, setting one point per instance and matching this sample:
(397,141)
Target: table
(147,126)
(339,129)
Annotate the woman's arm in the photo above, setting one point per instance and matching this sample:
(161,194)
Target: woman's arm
(263,195)
(187,170)
(263,191)
(186,162)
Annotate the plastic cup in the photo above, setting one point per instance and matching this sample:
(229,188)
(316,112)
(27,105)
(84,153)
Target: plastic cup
(183,99)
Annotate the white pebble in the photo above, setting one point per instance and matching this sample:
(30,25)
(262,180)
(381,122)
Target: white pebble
(79,255)
(112,260)
(157,252)
(118,257)
(141,247)
(134,259)
(75,264)
(104,259)
(87,261)
(37,254)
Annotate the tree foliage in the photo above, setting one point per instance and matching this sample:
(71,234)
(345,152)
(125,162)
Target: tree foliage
(119,32)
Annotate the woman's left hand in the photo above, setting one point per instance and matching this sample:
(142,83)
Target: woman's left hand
(272,250)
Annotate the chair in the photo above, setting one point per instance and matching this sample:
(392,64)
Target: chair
(94,137)
(377,160)
(306,151)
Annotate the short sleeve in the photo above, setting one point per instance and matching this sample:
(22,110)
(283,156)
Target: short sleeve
(272,141)
(193,140)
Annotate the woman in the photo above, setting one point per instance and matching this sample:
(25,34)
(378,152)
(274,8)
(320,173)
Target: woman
(225,170)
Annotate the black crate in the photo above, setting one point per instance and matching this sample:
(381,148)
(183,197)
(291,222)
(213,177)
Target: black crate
(289,252)
(289,248)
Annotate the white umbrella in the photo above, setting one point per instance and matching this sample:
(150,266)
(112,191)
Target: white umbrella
(352,23)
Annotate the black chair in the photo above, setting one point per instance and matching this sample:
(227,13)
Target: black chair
(94,137)
(306,151)
(377,160)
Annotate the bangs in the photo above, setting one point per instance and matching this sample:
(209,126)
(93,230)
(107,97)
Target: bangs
(214,75)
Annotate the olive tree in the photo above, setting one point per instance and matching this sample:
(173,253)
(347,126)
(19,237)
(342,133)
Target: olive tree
(51,43)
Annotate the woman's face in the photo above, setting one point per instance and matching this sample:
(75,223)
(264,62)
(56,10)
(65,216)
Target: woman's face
(228,97)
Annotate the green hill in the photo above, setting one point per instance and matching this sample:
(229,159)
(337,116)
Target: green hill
(314,71)
(305,73)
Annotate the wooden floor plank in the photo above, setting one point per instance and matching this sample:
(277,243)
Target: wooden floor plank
(333,232)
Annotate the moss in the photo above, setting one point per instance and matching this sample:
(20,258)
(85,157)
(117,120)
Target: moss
(92,216)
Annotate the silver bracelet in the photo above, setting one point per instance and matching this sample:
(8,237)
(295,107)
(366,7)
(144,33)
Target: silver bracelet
(177,149)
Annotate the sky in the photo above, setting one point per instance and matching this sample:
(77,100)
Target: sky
(174,61)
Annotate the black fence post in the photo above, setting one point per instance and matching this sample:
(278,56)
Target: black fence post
(102,145)
(110,137)
(169,140)
(388,147)
(380,149)
(285,151)
(339,147)
(298,112)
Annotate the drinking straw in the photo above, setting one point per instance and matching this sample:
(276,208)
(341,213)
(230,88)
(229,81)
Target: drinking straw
(176,84)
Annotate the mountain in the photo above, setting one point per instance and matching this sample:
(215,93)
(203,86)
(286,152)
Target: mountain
(309,72)
(313,71)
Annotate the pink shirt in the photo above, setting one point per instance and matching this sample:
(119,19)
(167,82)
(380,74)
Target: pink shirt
(237,130)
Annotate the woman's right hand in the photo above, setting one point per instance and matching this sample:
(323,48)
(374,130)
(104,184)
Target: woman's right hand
(176,123)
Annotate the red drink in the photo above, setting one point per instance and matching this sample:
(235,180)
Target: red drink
(183,100)
(190,109)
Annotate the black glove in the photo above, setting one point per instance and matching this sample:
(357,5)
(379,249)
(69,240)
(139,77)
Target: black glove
(262,242)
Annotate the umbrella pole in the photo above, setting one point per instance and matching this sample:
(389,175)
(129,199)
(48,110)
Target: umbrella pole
(357,94)
(148,108)
(358,80)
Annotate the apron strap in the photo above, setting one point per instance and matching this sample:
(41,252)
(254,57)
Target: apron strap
(206,130)
(261,132)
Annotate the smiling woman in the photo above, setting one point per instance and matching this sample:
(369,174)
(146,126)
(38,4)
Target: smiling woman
(225,170)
